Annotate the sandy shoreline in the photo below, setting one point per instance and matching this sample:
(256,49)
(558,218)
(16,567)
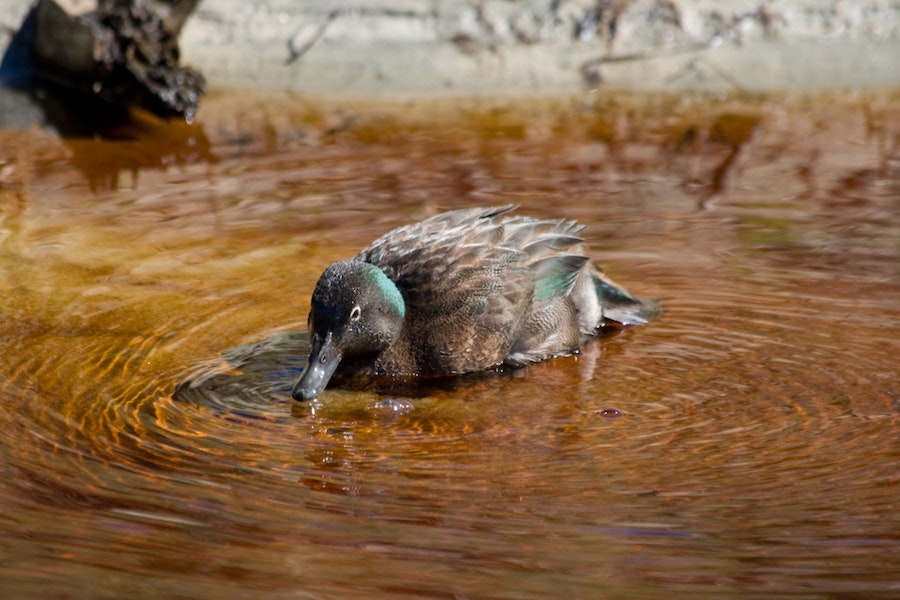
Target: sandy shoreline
(422,48)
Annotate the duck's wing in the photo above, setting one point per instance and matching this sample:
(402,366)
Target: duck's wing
(555,250)
(470,280)
(437,231)
(464,292)
(471,250)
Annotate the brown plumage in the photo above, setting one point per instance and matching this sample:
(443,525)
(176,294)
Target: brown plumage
(463,291)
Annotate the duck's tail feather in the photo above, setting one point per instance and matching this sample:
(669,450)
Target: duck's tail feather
(619,306)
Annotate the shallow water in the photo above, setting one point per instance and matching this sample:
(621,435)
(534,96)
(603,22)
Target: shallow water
(743,445)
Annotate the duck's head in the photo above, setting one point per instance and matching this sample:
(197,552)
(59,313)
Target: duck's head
(357,312)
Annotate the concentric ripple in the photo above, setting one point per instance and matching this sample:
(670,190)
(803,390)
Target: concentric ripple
(743,445)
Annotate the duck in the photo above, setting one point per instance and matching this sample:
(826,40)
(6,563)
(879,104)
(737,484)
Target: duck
(468,290)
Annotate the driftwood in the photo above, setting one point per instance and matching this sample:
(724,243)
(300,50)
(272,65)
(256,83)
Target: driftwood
(125,53)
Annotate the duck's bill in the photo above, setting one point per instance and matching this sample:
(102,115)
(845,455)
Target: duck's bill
(323,360)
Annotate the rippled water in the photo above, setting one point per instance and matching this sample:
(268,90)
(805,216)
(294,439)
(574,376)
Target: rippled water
(744,445)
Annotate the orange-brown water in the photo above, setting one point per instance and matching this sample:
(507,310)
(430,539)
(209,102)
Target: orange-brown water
(744,445)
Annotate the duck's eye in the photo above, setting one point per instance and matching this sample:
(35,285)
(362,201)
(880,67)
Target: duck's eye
(355,314)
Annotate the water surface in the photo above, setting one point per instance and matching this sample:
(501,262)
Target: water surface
(744,445)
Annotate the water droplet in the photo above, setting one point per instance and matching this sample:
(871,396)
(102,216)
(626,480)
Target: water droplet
(393,406)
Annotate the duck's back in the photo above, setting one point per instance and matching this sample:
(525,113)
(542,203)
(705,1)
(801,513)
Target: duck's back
(481,289)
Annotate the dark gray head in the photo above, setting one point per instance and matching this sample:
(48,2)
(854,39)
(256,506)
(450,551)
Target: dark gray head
(356,312)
